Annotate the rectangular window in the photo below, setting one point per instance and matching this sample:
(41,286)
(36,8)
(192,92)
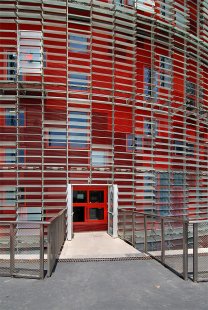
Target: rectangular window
(151,128)
(165,71)
(163,193)
(21,193)
(134,143)
(165,8)
(178,179)
(96,213)
(14,194)
(146,5)
(181,19)
(190,96)
(190,88)
(99,158)
(11,66)
(148,188)
(30,52)
(78,129)
(78,81)
(11,117)
(201,93)
(78,43)
(30,214)
(10,198)
(119,2)
(12,156)
(130,2)
(150,83)
(190,104)
(165,63)
(189,149)
(179,147)
(79,196)
(57,138)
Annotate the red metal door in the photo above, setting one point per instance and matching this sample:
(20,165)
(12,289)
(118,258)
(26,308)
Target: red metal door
(90,208)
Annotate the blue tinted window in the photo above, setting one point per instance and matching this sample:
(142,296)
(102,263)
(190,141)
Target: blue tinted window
(164,200)
(189,149)
(148,187)
(178,179)
(147,80)
(57,138)
(164,194)
(119,2)
(190,88)
(99,158)
(30,53)
(78,81)
(21,156)
(11,156)
(164,179)
(21,118)
(34,214)
(11,117)
(179,146)
(151,128)
(150,83)
(10,198)
(165,76)
(131,2)
(11,66)
(78,124)
(78,43)
(134,142)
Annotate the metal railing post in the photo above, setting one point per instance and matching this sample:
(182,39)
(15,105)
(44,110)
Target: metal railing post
(41,251)
(49,252)
(145,233)
(124,226)
(162,240)
(12,249)
(185,250)
(195,252)
(133,228)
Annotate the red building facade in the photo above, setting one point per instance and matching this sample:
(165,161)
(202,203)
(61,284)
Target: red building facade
(94,93)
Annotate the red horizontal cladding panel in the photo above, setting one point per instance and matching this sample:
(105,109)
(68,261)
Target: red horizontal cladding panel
(55,104)
(100,82)
(8,178)
(89,227)
(123,119)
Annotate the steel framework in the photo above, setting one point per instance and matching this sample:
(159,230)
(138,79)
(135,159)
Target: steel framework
(109,92)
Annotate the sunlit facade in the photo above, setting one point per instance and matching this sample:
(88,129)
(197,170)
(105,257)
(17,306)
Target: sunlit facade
(94,93)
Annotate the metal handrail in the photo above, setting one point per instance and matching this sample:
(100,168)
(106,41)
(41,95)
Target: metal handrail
(180,218)
(162,220)
(54,228)
(177,218)
(33,222)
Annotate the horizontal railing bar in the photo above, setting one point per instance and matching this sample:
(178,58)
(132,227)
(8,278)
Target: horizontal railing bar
(180,219)
(33,222)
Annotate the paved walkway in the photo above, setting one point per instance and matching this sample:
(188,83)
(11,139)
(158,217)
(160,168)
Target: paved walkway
(96,245)
(117,285)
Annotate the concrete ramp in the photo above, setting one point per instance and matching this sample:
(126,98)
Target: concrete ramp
(97,245)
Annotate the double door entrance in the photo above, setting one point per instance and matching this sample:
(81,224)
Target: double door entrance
(90,208)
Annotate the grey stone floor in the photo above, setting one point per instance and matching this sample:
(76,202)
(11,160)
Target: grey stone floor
(124,285)
(97,244)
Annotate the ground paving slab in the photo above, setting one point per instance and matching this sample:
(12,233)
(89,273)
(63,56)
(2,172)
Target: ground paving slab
(107,285)
(97,244)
